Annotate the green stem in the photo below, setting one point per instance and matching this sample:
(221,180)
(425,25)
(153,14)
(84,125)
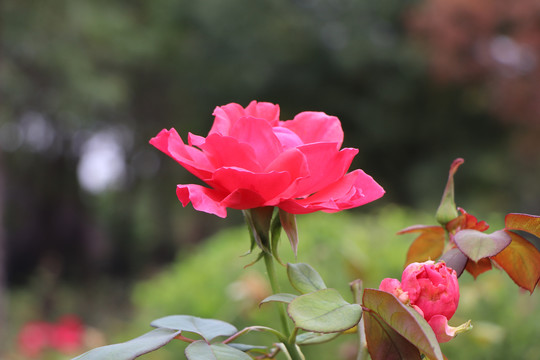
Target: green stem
(362,346)
(271,271)
(289,343)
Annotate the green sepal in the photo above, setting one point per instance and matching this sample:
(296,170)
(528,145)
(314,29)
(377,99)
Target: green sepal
(288,222)
(275,235)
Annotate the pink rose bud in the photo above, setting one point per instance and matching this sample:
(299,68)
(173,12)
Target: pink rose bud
(252,159)
(431,289)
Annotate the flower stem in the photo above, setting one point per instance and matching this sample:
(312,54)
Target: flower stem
(289,343)
(271,271)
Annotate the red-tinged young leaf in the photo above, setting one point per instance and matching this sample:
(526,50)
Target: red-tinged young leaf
(420,228)
(428,246)
(477,245)
(406,321)
(384,343)
(447,208)
(524,222)
(477,268)
(466,221)
(521,261)
(455,259)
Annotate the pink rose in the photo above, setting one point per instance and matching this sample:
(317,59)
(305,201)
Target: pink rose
(252,159)
(33,338)
(67,335)
(432,289)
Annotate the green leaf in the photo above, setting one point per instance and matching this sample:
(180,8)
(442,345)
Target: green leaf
(478,245)
(384,343)
(201,350)
(207,328)
(324,311)
(247,347)
(131,349)
(524,222)
(312,338)
(304,278)
(281,297)
(521,261)
(447,208)
(406,321)
(288,222)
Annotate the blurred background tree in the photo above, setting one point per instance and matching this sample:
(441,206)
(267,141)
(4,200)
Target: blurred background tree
(84,85)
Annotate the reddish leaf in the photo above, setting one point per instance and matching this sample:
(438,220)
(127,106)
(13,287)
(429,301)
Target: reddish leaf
(455,259)
(477,268)
(384,343)
(477,245)
(521,261)
(466,221)
(403,319)
(524,222)
(420,228)
(428,245)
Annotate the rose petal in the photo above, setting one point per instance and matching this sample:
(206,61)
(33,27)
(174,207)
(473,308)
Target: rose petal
(287,138)
(225,117)
(202,198)
(225,151)
(242,199)
(195,140)
(313,127)
(259,135)
(390,285)
(194,160)
(267,185)
(263,110)
(354,189)
(326,165)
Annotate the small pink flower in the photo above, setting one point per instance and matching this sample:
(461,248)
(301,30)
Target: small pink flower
(252,159)
(33,338)
(67,335)
(432,289)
